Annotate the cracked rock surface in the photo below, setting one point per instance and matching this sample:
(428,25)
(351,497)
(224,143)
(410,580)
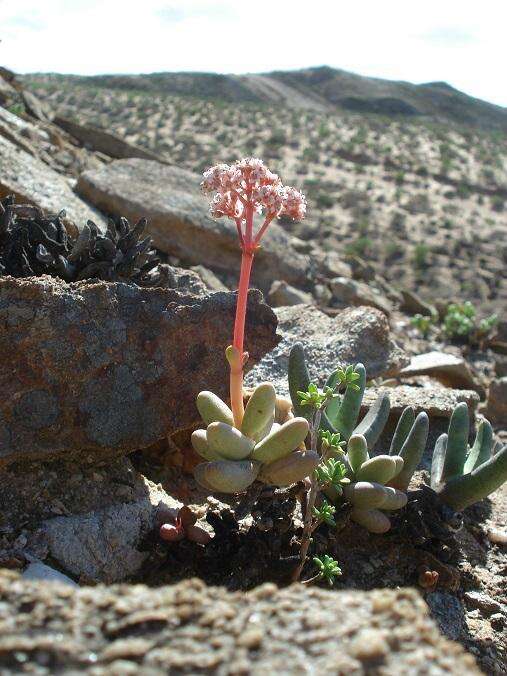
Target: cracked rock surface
(93,367)
(189,628)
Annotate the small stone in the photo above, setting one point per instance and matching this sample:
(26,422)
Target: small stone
(451,371)
(497,621)
(39,571)
(282,294)
(369,645)
(251,638)
(497,536)
(483,602)
(496,404)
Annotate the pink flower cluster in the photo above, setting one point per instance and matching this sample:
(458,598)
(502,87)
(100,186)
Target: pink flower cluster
(248,183)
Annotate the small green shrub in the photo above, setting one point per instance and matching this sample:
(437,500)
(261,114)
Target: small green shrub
(460,322)
(421,252)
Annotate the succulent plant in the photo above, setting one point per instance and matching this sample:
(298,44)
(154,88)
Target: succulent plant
(376,483)
(261,450)
(33,244)
(462,475)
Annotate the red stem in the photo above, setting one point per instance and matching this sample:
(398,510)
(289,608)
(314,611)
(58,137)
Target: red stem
(236,377)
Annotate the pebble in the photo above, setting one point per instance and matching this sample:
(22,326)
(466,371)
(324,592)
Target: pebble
(497,621)
(483,602)
(39,571)
(497,536)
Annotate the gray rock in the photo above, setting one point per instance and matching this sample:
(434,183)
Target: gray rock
(209,278)
(348,292)
(438,402)
(330,264)
(496,404)
(35,107)
(190,628)
(105,369)
(412,304)
(33,182)
(104,141)
(103,545)
(39,571)
(450,370)
(283,294)
(448,612)
(179,220)
(483,602)
(354,335)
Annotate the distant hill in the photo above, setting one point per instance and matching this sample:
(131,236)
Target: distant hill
(322,88)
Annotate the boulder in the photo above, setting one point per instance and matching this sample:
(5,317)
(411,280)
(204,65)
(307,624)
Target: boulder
(348,292)
(354,335)
(191,628)
(412,304)
(104,545)
(7,91)
(89,519)
(450,370)
(103,141)
(108,368)
(281,294)
(209,278)
(33,182)
(496,404)
(35,107)
(438,402)
(179,220)
(39,571)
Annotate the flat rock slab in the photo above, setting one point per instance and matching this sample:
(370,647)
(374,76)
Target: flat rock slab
(447,368)
(179,221)
(103,141)
(438,402)
(33,182)
(354,335)
(105,369)
(193,629)
(90,521)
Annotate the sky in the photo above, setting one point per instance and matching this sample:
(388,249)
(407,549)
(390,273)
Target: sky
(461,42)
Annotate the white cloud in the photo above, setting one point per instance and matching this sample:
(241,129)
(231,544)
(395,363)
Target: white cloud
(459,41)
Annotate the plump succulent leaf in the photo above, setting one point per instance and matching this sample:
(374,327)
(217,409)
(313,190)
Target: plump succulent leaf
(372,425)
(294,467)
(437,462)
(344,413)
(463,491)
(394,499)
(412,451)
(482,448)
(357,452)
(200,445)
(228,442)
(212,409)
(457,442)
(381,468)
(372,519)
(281,441)
(402,430)
(259,411)
(365,494)
(299,381)
(227,476)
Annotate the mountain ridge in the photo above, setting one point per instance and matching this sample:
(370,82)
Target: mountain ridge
(320,88)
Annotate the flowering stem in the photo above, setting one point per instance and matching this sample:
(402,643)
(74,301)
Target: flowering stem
(309,523)
(236,377)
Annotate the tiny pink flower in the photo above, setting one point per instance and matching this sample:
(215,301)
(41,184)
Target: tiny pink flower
(294,204)
(269,199)
(225,204)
